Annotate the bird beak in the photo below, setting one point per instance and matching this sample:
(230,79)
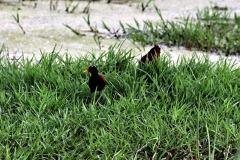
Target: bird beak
(85,71)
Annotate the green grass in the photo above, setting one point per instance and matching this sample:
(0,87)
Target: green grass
(208,30)
(189,110)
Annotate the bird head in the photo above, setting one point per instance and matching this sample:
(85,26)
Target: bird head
(91,69)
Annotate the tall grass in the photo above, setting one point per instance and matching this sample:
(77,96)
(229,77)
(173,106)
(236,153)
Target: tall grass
(208,30)
(189,110)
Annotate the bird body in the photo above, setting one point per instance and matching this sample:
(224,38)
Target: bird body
(153,53)
(96,81)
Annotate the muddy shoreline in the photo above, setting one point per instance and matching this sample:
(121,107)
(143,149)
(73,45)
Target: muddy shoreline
(45,29)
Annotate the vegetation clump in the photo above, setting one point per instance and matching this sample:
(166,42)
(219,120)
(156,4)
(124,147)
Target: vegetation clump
(209,30)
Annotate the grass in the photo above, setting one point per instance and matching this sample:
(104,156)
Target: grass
(189,110)
(208,30)
(76,32)
(212,30)
(17,19)
(152,111)
(67,6)
(144,6)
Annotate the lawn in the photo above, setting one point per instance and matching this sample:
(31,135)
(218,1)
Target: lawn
(188,110)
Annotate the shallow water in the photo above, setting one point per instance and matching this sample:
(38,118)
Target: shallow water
(44,28)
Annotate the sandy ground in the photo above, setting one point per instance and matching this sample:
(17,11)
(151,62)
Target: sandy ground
(45,29)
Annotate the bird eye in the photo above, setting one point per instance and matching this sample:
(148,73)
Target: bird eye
(90,67)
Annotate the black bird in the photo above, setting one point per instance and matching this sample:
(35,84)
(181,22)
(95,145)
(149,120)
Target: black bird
(153,53)
(96,81)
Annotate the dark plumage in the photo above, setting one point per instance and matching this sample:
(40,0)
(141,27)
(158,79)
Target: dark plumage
(153,53)
(96,81)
